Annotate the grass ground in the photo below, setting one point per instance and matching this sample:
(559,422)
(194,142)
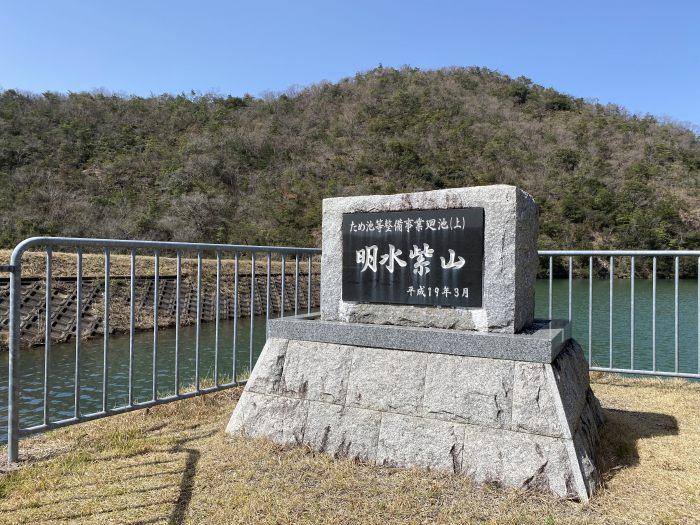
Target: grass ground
(174,464)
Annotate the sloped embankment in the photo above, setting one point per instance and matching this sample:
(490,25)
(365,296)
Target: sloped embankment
(64,295)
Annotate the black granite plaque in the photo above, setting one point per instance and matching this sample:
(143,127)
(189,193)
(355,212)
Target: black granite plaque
(417,257)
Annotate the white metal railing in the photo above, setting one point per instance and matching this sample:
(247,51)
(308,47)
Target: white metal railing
(282,256)
(105,247)
(610,257)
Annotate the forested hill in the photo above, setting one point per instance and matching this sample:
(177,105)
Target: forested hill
(254,170)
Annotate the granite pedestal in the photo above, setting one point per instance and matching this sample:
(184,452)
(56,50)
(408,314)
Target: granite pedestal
(430,398)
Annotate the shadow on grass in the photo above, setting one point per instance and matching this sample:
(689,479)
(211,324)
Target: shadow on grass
(75,498)
(177,515)
(94,513)
(621,432)
(186,485)
(174,501)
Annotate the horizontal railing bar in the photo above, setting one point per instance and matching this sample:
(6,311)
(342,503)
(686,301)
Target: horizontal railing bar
(644,372)
(622,253)
(7,268)
(150,245)
(123,409)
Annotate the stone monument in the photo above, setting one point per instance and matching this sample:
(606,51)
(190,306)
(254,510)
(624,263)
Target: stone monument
(426,352)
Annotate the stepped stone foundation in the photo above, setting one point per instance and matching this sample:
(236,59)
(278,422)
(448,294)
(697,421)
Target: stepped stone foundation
(531,424)
(514,409)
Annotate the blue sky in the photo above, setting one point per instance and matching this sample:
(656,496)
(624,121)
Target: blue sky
(640,54)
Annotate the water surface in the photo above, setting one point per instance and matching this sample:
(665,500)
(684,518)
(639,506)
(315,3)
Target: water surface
(62,370)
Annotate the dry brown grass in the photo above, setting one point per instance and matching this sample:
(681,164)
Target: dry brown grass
(174,464)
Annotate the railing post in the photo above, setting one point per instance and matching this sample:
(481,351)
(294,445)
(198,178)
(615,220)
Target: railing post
(47,333)
(217,313)
(590,311)
(235,316)
(13,371)
(132,318)
(610,312)
(551,274)
(252,312)
(178,315)
(632,313)
(105,335)
(198,325)
(571,278)
(653,314)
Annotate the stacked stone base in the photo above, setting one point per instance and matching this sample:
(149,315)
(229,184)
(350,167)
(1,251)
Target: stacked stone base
(513,423)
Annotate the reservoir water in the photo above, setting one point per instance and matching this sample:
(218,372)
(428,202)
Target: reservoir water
(61,376)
